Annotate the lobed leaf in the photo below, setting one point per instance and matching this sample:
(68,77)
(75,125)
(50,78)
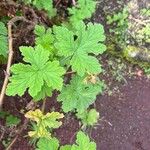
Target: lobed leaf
(47,144)
(36,75)
(79,95)
(43,122)
(83,10)
(79,45)
(45,38)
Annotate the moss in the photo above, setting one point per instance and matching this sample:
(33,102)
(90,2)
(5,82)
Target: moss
(135,55)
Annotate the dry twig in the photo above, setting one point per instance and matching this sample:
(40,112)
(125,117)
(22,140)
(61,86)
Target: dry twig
(10,55)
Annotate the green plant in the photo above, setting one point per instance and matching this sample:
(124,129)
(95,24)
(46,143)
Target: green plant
(79,45)
(47,144)
(64,60)
(3,39)
(88,117)
(41,78)
(45,38)
(143,34)
(43,4)
(10,120)
(145,12)
(82,143)
(45,69)
(78,94)
(82,10)
(44,123)
(120,24)
(49,72)
(117,69)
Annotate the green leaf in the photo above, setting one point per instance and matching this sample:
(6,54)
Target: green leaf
(45,92)
(12,120)
(83,10)
(47,144)
(39,30)
(3,114)
(34,76)
(78,94)
(88,117)
(43,122)
(43,4)
(45,38)
(66,147)
(3,40)
(79,46)
(83,143)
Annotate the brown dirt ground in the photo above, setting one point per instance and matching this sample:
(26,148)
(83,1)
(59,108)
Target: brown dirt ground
(125,123)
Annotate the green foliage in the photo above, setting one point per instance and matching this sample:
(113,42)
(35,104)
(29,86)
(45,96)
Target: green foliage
(143,35)
(3,39)
(3,114)
(43,122)
(145,12)
(43,4)
(78,94)
(35,76)
(83,10)
(47,144)
(12,121)
(45,38)
(88,117)
(82,143)
(120,23)
(42,71)
(88,41)
(66,147)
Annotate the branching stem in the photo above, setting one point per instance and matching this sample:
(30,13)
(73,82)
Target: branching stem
(10,55)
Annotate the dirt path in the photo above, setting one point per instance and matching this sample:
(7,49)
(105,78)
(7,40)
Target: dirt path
(125,116)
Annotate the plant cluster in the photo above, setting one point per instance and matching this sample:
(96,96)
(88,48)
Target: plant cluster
(59,51)
(120,24)
(46,5)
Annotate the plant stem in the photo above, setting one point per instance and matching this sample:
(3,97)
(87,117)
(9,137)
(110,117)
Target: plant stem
(43,106)
(10,55)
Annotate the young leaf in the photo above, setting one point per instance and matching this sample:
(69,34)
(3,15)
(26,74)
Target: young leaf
(43,4)
(43,122)
(45,38)
(34,75)
(87,41)
(79,95)
(12,120)
(47,144)
(83,143)
(88,118)
(3,40)
(45,92)
(83,10)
